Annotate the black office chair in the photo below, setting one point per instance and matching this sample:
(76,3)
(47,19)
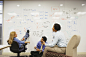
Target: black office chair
(15,48)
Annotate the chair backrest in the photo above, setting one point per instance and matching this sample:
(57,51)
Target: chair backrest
(71,49)
(74,42)
(14,47)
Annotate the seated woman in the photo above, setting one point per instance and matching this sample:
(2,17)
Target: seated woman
(12,38)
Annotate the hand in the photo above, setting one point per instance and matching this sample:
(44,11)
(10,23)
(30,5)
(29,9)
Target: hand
(29,42)
(43,43)
(23,39)
(35,47)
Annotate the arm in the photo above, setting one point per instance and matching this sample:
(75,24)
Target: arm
(20,42)
(44,47)
(27,42)
(55,40)
(37,47)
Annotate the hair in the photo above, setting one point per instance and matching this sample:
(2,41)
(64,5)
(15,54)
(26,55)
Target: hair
(27,31)
(57,27)
(44,38)
(10,40)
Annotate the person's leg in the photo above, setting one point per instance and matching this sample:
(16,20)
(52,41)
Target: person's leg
(47,49)
(30,55)
(25,39)
(24,45)
(41,54)
(60,49)
(34,52)
(54,49)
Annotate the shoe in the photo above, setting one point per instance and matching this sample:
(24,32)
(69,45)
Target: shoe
(30,56)
(25,48)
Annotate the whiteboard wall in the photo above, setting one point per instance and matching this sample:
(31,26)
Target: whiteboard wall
(39,17)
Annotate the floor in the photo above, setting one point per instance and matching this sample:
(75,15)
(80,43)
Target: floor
(79,55)
(15,54)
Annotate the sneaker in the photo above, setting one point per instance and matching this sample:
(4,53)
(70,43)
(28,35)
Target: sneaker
(25,48)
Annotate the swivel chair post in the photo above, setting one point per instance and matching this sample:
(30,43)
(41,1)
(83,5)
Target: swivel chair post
(18,54)
(15,48)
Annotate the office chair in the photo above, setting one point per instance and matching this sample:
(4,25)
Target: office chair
(15,48)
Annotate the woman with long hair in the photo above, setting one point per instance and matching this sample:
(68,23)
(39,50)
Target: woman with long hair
(12,38)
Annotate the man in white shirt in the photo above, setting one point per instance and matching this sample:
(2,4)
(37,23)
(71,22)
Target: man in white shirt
(59,40)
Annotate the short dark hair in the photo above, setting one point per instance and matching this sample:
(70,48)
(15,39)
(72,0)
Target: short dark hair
(27,31)
(44,38)
(57,26)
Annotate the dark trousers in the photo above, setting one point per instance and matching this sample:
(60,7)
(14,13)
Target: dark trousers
(23,46)
(36,54)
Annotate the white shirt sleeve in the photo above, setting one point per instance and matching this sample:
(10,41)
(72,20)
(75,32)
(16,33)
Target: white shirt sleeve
(55,40)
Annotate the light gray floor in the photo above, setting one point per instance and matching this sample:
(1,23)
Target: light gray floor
(12,55)
(15,54)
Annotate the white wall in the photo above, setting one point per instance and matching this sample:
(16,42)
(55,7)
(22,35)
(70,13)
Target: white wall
(40,19)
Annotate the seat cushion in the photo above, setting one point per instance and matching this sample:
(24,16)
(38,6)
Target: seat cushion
(54,54)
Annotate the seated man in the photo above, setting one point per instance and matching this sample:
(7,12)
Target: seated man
(39,48)
(59,41)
